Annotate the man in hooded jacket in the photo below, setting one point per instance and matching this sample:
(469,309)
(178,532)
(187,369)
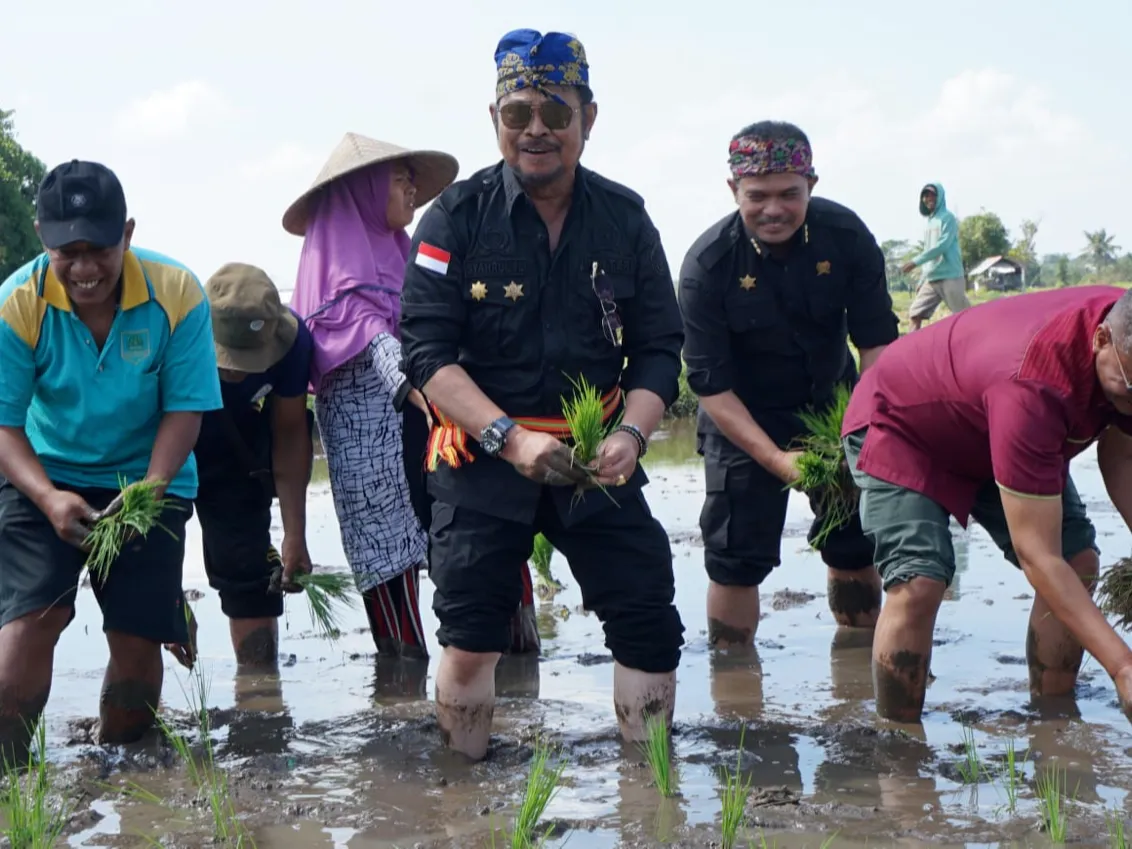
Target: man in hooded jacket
(941,264)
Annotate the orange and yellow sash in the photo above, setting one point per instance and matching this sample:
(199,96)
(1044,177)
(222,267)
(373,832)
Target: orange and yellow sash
(449,443)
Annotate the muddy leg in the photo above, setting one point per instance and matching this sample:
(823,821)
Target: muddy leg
(256,644)
(27,655)
(1052,653)
(131,689)
(732,614)
(902,648)
(465,700)
(638,695)
(854,597)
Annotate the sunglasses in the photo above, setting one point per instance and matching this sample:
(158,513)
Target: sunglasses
(554,115)
(610,322)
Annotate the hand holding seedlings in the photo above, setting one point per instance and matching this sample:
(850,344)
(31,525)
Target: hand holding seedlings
(186,653)
(785,466)
(542,458)
(1123,682)
(296,562)
(70,516)
(135,511)
(617,459)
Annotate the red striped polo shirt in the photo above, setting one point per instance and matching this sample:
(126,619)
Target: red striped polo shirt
(1004,391)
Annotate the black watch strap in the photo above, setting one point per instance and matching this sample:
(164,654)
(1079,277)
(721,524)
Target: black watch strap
(635,432)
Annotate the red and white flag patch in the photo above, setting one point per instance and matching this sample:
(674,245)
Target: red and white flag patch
(432,258)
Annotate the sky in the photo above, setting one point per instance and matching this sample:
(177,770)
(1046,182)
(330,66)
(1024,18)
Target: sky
(217,115)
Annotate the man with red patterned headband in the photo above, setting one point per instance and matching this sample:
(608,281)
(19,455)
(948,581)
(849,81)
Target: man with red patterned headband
(771,294)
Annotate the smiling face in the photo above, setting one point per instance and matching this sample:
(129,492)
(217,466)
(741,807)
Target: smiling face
(773,206)
(540,138)
(401,205)
(90,273)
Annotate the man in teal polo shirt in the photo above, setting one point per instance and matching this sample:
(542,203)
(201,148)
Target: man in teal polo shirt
(108,365)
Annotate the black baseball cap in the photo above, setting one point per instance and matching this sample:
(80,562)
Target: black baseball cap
(80,202)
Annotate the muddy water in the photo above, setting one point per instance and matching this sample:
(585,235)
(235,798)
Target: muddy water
(342,752)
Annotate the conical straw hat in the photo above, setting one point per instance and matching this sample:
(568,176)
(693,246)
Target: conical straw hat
(433,172)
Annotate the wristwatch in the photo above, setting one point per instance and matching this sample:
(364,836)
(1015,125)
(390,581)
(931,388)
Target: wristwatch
(493,438)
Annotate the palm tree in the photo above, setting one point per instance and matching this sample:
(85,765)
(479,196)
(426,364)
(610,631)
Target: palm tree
(1101,249)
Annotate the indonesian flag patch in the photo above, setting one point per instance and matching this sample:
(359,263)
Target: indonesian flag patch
(432,258)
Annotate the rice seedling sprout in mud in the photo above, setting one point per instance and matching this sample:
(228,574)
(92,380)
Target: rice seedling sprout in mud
(736,791)
(541,556)
(328,595)
(658,754)
(585,415)
(32,818)
(1114,820)
(141,508)
(971,768)
(1011,775)
(822,473)
(1114,593)
(543,782)
(1051,787)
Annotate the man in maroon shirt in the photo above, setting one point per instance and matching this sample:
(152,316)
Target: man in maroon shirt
(977,417)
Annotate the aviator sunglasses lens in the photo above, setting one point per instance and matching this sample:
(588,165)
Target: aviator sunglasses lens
(555,116)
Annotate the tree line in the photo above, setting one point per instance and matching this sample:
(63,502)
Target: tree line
(981,236)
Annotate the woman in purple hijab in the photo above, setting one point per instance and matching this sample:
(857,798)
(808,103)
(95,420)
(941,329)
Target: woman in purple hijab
(348,291)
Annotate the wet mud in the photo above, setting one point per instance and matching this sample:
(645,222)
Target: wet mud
(342,748)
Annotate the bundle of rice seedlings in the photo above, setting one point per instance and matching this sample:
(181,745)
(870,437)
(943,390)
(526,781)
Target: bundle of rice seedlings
(1114,593)
(328,594)
(540,559)
(822,472)
(139,513)
(543,782)
(585,415)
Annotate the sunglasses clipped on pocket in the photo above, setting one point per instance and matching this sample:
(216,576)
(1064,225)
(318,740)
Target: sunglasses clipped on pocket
(610,320)
(517,115)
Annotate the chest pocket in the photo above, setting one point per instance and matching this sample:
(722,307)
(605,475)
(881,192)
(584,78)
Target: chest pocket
(603,303)
(755,320)
(499,312)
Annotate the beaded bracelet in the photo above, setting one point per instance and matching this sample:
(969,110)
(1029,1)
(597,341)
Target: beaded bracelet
(635,432)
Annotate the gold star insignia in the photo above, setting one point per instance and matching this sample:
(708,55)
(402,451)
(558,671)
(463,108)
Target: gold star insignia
(513,290)
(746,282)
(823,268)
(479,291)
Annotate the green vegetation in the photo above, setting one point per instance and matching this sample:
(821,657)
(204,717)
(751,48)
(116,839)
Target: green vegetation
(971,770)
(543,781)
(1011,775)
(20,176)
(736,791)
(328,595)
(1051,787)
(1114,593)
(658,754)
(141,508)
(823,474)
(547,585)
(33,820)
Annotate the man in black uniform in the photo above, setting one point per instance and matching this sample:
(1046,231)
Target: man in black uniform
(528,275)
(770,295)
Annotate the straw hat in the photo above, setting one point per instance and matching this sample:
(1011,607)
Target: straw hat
(433,172)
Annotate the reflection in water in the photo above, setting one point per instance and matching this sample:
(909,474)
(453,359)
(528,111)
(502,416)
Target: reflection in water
(517,676)
(851,665)
(260,722)
(399,679)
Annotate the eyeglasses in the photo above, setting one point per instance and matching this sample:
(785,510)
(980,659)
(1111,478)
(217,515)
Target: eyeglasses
(517,115)
(1116,353)
(610,322)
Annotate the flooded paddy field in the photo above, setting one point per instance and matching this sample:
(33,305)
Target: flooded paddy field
(343,751)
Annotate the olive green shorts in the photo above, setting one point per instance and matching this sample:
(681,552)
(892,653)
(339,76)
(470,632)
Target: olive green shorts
(911,531)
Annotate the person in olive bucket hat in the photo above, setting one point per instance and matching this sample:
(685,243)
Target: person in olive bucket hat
(257,448)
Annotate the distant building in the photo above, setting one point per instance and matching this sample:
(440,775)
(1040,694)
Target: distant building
(999,273)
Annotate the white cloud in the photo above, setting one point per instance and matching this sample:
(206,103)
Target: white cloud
(169,113)
(285,160)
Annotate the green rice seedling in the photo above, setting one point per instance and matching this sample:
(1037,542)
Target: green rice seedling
(736,791)
(1114,593)
(1011,775)
(141,508)
(328,594)
(543,780)
(1115,822)
(822,473)
(1051,786)
(540,559)
(971,769)
(32,819)
(658,754)
(585,415)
